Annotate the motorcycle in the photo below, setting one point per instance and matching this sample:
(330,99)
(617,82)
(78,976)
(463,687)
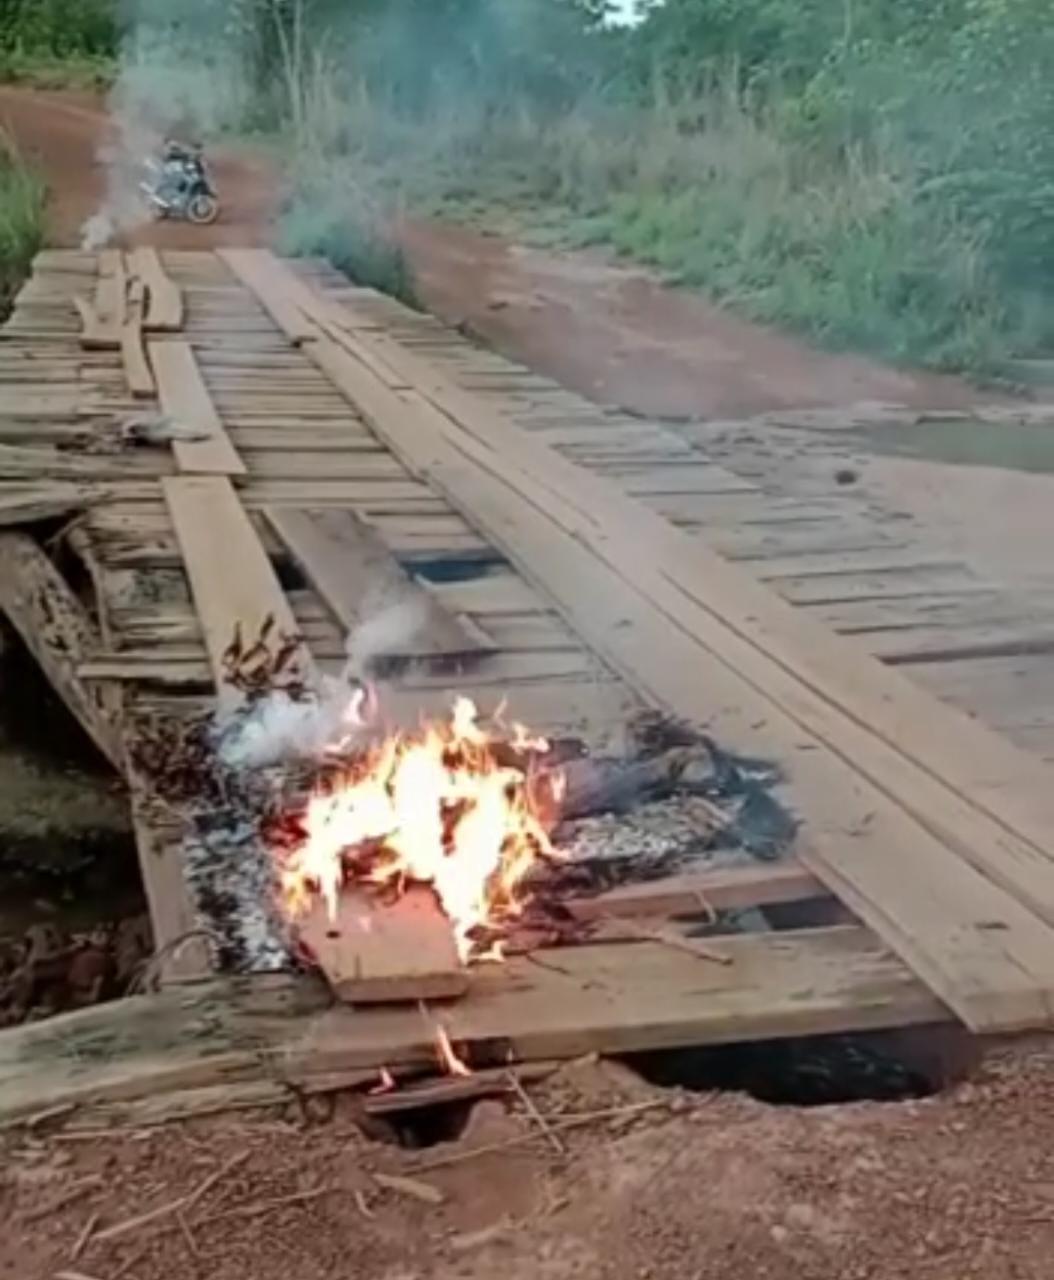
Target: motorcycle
(181,187)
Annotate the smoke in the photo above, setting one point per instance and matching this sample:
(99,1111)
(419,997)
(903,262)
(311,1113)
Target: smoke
(184,70)
(277,729)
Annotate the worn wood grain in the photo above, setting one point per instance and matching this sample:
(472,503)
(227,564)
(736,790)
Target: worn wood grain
(358,577)
(164,298)
(186,400)
(373,952)
(234,587)
(614,998)
(58,633)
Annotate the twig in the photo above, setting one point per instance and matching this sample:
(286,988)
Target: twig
(72,1275)
(131,1261)
(577,1122)
(690,946)
(195,1197)
(140,1220)
(81,1242)
(67,1198)
(178,1205)
(412,1187)
(265,1206)
(362,1205)
(188,1235)
(535,1114)
(149,969)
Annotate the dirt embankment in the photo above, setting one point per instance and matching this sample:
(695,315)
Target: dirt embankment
(712,1187)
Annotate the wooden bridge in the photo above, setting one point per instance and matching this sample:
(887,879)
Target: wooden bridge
(576,561)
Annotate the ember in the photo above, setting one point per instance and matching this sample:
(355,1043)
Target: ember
(448,805)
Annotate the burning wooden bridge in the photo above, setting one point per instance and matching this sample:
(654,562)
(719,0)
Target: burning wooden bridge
(227,438)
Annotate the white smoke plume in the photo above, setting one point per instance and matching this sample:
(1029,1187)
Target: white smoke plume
(182,73)
(278,729)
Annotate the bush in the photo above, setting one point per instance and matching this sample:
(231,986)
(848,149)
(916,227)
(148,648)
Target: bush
(332,219)
(59,28)
(21,222)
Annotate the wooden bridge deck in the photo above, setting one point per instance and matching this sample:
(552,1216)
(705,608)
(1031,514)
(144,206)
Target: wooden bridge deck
(566,555)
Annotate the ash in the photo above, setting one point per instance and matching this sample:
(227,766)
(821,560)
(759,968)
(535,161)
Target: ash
(673,799)
(231,875)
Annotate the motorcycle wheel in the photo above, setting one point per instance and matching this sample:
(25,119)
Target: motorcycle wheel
(203,209)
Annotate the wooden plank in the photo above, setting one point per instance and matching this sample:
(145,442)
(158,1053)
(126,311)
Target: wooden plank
(164,298)
(95,334)
(374,953)
(137,371)
(255,270)
(357,576)
(233,585)
(695,893)
(111,292)
(58,633)
(158,838)
(615,998)
(41,502)
(185,399)
(885,863)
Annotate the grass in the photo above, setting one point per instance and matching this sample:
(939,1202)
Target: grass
(331,219)
(22,199)
(837,241)
(43,71)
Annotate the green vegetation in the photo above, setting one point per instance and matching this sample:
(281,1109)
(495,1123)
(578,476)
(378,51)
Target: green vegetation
(58,43)
(878,174)
(21,222)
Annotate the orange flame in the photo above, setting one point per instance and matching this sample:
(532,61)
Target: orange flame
(433,806)
(448,1059)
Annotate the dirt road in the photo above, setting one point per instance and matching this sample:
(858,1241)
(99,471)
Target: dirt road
(62,135)
(612,333)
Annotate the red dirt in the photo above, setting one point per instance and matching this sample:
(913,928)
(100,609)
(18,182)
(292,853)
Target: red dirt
(619,336)
(721,1188)
(61,133)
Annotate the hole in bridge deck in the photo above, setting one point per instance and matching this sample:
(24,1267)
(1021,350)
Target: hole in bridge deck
(461,568)
(809,1071)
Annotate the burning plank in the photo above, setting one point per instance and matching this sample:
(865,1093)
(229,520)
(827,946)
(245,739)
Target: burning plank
(374,952)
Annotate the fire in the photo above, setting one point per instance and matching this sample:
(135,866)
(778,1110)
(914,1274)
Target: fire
(439,806)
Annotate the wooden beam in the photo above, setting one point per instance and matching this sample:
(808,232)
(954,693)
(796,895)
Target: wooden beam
(352,569)
(610,998)
(375,953)
(42,501)
(158,838)
(233,585)
(164,306)
(693,893)
(186,400)
(58,633)
(137,371)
